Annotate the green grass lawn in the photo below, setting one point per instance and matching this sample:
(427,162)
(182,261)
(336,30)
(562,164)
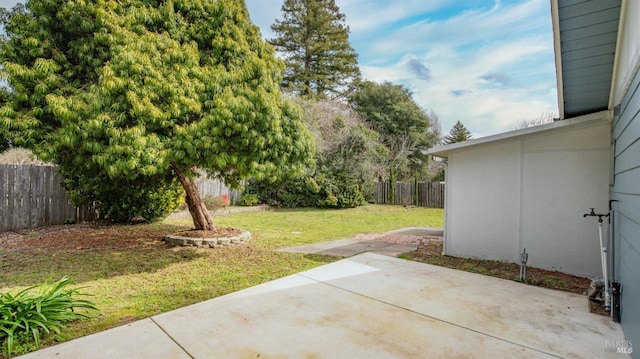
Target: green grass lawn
(151,278)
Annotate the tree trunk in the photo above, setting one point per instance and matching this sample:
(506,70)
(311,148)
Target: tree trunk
(199,213)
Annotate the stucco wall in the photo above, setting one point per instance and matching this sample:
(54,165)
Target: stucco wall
(530,192)
(482,195)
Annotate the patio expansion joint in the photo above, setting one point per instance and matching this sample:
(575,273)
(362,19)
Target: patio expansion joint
(435,318)
(173,339)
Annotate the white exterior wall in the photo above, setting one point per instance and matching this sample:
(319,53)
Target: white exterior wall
(482,186)
(531,192)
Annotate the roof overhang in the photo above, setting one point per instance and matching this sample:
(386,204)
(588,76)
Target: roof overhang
(585,40)
(586,120)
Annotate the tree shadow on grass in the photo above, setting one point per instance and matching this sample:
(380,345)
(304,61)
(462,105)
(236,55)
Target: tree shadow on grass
(323,258)
(30,267)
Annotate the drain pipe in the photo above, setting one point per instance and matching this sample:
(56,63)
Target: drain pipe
(524,257)
(616,288)
(603,257)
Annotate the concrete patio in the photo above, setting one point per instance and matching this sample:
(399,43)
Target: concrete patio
(367,306)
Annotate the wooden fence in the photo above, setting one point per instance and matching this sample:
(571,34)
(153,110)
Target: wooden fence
(31,196)
(216,187)
(430,194)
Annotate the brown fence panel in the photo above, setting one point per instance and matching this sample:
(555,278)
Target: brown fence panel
(216,187)
(31,196)
(430,194)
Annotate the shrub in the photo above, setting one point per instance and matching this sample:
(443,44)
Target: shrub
(30,313)
(340,192)
(249,199)
(216,202)
(318,191)
(132,200)
(123,199)
(294,192)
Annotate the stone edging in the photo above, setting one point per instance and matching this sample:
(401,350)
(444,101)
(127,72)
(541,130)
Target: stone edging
(175,240)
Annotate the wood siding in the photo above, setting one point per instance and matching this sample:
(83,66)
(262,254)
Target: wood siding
(626,211)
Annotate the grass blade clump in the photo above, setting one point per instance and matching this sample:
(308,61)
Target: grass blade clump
(34,311)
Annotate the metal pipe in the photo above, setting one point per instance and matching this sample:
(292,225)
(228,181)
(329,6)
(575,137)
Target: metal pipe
(603,256)
(524,257)
(616,291)
(612,238)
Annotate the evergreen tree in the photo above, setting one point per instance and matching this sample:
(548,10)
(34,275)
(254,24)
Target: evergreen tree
(405,127)
(314,41)
(5,134)
(131,95)
(458,133)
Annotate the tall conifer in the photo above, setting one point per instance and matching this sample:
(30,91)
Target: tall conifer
(314,41)
(458,133)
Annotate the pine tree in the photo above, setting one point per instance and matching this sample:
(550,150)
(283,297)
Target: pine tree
(137,95)
(458,133)
(314,41)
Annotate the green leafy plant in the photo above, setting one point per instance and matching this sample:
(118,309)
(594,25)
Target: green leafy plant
(249,199)
(31,312)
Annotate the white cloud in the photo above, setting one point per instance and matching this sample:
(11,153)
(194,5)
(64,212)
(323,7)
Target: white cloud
(9,3)
(512,43)
(486,63)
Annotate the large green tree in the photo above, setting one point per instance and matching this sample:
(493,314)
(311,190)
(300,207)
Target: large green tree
(349,157)
(314,41)
(458,133)
(5,134)
(404,126)
(145,92)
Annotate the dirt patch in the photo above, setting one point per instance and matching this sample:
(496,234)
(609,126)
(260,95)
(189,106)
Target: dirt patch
(219,232)
(430,251)
(85,236)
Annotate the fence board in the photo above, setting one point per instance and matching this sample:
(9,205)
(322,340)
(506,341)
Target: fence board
(32,196)
(216,187)
(4,205)
(430,194)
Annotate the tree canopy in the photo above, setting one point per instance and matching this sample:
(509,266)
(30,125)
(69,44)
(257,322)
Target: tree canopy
(349,157)
(5,134)
(314,40)
(458,133)
(144,92)
(404,127)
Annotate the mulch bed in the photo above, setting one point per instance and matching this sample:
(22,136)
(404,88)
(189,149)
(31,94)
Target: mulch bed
(218,233)
(98,235)
(430,251)
(83,236)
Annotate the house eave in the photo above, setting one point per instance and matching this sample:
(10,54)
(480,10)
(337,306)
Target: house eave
(589,119)
(555,23)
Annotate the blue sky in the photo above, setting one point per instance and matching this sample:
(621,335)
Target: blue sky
(488,64)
